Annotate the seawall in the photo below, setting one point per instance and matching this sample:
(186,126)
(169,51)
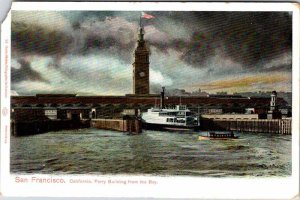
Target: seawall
(275,126)
(123,125)
(23,128)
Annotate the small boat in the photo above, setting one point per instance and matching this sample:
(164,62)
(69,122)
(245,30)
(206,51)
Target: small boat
(218,136)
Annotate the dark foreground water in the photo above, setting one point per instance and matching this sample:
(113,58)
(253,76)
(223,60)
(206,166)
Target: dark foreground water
(92,151)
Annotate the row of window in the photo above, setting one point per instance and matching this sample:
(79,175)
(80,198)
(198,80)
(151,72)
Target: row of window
(175,120)
(234,118)
(175,114)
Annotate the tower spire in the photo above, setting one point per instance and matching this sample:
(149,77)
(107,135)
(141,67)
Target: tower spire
(141,34)
(141,20)
(141,64)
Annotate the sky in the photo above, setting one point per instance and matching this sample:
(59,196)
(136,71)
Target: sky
(91,52)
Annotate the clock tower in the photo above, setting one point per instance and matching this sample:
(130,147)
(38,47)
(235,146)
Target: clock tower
(141,67)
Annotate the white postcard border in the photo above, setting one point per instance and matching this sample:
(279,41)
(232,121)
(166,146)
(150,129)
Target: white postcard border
(5,101)
(177,187)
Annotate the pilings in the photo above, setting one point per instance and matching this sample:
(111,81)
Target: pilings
(275,126)
(24,128)
(132,126)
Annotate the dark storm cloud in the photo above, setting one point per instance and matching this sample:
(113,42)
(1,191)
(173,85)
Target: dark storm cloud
(111,36)
(29,39)
(38,40)
(112,45)
(200,47)
(249,38)
(85,24)
(246,37)
(74,44)
(77,17)
(25,72)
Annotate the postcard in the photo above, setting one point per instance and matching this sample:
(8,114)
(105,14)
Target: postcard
(157,100)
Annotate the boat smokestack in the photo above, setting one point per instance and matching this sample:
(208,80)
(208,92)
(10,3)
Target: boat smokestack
(162,98)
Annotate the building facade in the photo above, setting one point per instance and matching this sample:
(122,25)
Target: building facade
(82,107)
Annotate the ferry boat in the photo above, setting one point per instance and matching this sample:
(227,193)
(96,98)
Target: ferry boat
(218,136)
(178,118)
(172,119)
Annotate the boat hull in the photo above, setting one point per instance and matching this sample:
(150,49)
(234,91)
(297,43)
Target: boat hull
(168,127)
(218,136)
(214,138)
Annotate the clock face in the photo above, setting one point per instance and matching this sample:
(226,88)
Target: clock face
(142,74)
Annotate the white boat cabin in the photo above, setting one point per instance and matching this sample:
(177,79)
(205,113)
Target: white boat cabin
(178,116)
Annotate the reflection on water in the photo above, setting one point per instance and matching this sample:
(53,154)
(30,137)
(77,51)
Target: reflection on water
(93,151)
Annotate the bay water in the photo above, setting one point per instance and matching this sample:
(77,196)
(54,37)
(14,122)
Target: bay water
(94,151)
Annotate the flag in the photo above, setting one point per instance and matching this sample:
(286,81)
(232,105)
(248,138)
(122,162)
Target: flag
(147,16)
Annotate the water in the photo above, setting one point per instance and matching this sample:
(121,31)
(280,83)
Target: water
(93,151)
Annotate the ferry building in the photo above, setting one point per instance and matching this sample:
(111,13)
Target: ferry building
(70,106)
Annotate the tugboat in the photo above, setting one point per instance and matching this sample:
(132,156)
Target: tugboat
(178,118)
(218,136)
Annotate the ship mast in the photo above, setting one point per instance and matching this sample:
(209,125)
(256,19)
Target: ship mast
(162,98)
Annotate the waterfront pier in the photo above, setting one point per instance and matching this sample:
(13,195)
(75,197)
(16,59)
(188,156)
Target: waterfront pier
(273,126)
(123,113)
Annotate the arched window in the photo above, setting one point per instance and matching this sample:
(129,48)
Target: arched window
(93,114)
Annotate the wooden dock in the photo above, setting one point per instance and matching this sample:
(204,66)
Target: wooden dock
(275,126)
